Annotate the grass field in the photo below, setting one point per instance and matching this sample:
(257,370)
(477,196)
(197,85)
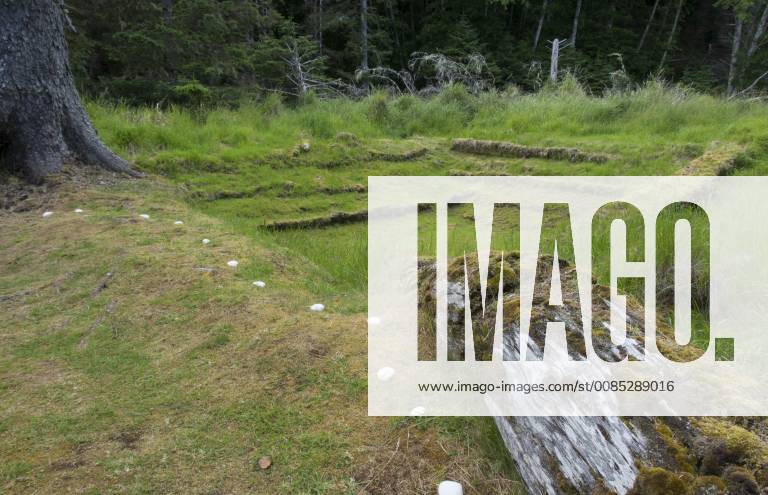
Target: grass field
(135,361)
(175,374)
(246,167)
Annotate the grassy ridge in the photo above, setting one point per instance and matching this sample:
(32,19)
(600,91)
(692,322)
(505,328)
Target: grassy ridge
(245,166)
(174,379)
(175,374)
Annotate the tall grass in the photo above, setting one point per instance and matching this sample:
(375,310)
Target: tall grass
(653,130)
(636,123)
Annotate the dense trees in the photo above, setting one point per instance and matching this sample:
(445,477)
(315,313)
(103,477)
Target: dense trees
(187,51)
(149,49)
(156,51)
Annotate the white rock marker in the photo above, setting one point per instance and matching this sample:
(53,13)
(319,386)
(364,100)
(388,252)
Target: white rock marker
(449,488)
(78,210)
(47,214)
(374,320)
(259,284)
(144,216)
(418,411)
(317,307)
(178,222)
(206,241)
(385,373)
(233,263)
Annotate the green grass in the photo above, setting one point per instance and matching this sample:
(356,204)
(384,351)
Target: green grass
(196,364)
(251,152)
(173,379)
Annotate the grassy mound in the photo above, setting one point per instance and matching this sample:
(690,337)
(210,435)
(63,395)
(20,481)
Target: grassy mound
(135,360)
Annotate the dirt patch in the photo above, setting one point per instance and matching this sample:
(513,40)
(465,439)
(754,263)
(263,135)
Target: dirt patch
(502,148)
(719,159)
(352,188)
(18,196)
(127,439)
(401,464)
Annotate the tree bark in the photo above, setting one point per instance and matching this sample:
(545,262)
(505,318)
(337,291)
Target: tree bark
(537,36)
(320,26)
(759,32)
(672,33)
(364,33)
(42,120)
(553,61)
(648,25)
(732,66)
(575,29)
(167,11)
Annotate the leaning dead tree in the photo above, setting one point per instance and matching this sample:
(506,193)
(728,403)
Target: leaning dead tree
(440,71)
(42,120)
(432,72)
(540,24)
(303,75)
(575,28)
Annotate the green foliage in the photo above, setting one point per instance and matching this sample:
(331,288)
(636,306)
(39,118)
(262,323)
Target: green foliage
(192,93)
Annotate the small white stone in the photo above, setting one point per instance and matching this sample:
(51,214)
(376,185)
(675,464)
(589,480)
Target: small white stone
(78,210)
(317,307)
(374,320)
(206,241)
(418,411)
(47,214)
(385,373)
(259,284)
(305,147)
(178,222)
(449,488)
(144,216)
(233,263)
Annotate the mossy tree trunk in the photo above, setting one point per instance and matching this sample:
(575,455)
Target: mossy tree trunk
(42,120)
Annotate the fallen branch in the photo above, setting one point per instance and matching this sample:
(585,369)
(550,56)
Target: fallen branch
(501,148)
(749,88)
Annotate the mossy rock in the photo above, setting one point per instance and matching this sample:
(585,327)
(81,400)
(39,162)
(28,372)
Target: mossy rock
(743,445)
(659,481)
(740,481)
(709,485)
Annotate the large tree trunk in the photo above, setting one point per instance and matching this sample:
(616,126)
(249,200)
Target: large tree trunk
(42,120)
